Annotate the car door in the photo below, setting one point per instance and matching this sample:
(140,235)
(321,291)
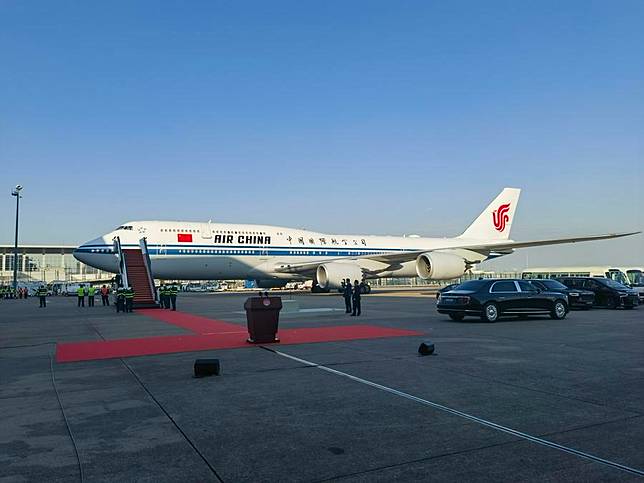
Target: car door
(505,294)
(601,295)
(529,298)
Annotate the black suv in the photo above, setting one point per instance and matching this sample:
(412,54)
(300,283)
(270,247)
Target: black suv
(577,298)
(608,293)
(491,299)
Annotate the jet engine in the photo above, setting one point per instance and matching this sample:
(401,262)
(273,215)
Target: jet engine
(440,266)
(331,275)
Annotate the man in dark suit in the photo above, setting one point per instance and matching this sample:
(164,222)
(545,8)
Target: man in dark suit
(347,294)
(356,298)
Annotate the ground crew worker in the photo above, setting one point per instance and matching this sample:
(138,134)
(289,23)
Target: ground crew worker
(347,294)
(42,295)
(162,296)
(356,298)
(173,295)
(91,292)
(105,295)
(120,300)
(166,296)
(80,291)
(129,299)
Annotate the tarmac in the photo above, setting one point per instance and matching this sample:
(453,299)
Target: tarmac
(517,400)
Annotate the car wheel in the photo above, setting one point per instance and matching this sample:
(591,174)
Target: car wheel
(490,312)
(559,310)
(456,317)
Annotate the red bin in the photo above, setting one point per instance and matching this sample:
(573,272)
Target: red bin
(262,317)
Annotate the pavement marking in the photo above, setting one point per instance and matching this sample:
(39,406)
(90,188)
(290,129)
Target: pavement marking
(81,473)
(484,422)
(303,311)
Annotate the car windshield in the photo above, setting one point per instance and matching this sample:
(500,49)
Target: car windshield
(612,283)
(471,285)
(617,275)
(636,277)
(553,285)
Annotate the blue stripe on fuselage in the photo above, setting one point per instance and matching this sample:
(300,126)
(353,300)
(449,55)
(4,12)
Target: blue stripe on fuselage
(247,250)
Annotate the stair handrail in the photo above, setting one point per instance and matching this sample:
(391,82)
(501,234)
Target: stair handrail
(122,264)
(143,243)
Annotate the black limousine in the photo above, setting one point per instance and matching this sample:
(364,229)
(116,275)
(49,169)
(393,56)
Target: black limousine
(492,298)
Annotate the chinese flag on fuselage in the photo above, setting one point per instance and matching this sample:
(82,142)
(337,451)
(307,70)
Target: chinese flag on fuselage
(184,237)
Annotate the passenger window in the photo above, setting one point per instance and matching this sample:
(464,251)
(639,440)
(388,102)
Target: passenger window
(527,286)
(596,285)
(504,287)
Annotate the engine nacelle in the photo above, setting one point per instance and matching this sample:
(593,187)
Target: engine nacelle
(440,266)
(331,275)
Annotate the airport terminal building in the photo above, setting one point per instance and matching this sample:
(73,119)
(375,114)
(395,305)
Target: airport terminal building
(46,263)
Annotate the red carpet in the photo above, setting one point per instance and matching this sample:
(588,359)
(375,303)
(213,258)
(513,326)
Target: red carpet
(209,334)
(88,351)
(193,323)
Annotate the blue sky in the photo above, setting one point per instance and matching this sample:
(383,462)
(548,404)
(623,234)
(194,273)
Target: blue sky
(372,117)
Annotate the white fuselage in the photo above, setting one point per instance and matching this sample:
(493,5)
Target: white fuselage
(221,251)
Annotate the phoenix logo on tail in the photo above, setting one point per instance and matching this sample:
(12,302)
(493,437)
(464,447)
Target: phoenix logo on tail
(500,217)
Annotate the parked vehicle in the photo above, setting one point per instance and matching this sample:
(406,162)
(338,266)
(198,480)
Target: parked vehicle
(608,293)
(636,280)
(613,273)
(196,287)
(446,288)
(493,298)
(577,298)
(70,289)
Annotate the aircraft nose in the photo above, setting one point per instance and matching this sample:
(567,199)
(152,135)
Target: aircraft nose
(94,253)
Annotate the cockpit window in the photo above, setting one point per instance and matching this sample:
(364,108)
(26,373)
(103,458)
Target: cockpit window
(124,227)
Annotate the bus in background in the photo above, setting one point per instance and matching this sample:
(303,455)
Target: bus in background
(636,280)
(614,273)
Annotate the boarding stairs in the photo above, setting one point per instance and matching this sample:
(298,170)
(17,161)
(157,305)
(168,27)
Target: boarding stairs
(135,271)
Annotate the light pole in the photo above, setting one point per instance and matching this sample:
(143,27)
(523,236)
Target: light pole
(16,193)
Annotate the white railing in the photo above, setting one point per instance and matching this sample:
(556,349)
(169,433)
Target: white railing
(122,264)
(148,267)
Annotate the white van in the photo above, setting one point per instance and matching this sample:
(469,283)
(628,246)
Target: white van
(635,277)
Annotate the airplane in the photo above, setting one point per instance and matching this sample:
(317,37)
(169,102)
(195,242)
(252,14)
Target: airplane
(275,255)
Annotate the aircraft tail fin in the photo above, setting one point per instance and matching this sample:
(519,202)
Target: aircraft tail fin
(495,221)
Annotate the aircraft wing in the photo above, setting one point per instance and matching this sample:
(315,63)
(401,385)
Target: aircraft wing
(395,258)
(538,243)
